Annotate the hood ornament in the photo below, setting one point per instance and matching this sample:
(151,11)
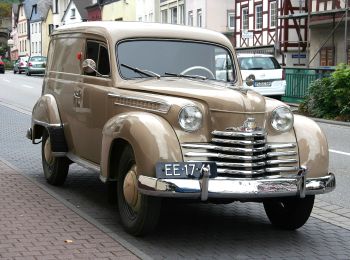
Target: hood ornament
(249,125)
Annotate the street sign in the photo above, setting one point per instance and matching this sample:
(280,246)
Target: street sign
(247,35)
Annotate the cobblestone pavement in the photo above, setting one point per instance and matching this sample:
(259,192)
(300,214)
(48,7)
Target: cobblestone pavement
(35,225)
(190,230)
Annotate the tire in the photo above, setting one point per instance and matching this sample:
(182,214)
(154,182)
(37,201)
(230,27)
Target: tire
(28,73)
(289,213)
(55,168)
(14,72)
(142,217)
(19,72)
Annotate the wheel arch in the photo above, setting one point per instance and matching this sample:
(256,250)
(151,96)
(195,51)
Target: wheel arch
(150,136)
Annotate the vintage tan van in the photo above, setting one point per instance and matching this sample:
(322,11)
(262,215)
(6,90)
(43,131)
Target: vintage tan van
(146,106)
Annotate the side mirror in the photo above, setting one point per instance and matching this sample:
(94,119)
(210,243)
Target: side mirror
(89,66)
(250,80)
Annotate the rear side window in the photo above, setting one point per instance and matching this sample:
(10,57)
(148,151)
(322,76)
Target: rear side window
(65,55)
(98,52)
(258,63)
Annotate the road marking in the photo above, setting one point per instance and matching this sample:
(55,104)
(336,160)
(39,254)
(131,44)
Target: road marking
(6,80)
(339,152)
(26,86)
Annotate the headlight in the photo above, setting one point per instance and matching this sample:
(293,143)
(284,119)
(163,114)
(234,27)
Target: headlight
(282,119)
(190,118)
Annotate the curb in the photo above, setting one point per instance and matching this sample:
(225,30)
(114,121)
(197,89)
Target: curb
(82,214)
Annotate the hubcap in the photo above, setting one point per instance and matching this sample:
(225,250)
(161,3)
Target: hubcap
(131,195)
(47,152)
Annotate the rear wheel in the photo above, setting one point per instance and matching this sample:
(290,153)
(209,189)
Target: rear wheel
(289,213)
(139,213)
(28,73)
(55,168)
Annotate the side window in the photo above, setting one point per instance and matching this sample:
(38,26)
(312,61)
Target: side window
(64,57)
(99,53)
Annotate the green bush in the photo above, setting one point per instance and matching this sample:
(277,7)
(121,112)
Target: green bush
(330,97)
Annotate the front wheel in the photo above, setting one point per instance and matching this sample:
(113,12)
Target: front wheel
(55,168)
(289,213)
(139,213)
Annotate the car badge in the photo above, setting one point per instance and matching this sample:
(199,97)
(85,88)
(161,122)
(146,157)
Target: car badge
(249,125)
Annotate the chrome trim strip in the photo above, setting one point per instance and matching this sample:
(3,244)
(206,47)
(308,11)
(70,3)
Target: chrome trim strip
(225,156)
(239,134)
(281,146)
(224,148)
(59,154)
(240,142)
(164,107)
(277,154)
(241,165)
(272,162)
(237,188)
(236,112)
(84,163)
(252,172)
(282,169)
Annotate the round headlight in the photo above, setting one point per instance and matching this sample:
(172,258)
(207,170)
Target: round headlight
(190,118)
(282,119)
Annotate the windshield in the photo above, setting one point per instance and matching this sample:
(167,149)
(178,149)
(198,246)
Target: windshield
(38,59)
(258,63)
(169,58)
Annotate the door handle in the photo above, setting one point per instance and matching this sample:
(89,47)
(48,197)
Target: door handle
(77,94)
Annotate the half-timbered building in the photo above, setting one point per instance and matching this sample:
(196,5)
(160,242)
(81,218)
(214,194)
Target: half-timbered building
(259,29)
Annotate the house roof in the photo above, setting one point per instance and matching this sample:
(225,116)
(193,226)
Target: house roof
(81,5)
(41,12)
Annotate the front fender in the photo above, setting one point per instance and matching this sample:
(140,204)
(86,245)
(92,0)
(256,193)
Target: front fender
(45,114)
(313,146)
(151,137)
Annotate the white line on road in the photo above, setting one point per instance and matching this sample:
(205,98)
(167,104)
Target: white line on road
(26,86)
(339,152)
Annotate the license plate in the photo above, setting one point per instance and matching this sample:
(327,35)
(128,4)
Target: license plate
(263,84)
(184,170)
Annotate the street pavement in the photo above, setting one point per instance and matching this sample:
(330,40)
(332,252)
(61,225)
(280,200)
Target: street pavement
(29,206)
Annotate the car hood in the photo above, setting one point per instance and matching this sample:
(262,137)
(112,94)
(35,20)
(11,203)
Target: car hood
(219,96)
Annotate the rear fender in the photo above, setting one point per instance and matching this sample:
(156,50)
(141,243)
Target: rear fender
(151,137)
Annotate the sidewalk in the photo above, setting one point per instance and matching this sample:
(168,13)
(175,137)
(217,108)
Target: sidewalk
(35,225)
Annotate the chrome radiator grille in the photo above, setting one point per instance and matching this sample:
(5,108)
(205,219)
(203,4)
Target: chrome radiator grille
(244,154)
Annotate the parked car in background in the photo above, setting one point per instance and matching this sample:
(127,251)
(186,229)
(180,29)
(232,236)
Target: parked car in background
(268,74)
(20,65)
(2,66)
(36,65)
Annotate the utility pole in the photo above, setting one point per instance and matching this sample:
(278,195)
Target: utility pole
(346,31)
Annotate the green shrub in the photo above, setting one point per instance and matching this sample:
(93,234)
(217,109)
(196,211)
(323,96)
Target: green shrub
(330,97)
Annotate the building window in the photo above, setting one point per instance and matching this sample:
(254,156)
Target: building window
(190,18)
(245,19)
(199,17)
(231,21)
(164,16)
(327,56)
(182,14)
(56,7)
(32,46)
(72,13)
(258,17)
(150,17)
(273,13)
(51,28)
(39,27)
(173,15)
(145,18)
(140,19)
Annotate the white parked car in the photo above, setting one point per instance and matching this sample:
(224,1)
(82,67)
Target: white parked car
(269,76)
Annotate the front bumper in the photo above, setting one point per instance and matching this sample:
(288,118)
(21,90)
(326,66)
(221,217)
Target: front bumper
(236,188)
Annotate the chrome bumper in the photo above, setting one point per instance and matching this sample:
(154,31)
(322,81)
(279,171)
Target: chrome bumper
(236,188)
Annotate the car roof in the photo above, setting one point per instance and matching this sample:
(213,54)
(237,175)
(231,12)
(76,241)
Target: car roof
(117,31)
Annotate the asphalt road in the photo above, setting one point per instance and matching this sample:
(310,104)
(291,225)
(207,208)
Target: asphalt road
(186,230)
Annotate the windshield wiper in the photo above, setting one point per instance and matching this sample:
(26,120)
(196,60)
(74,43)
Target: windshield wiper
(186,76)
(141,71)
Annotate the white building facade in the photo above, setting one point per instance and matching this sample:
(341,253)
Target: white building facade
(35,39)
(147,11)
(172,11)
(58,9)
